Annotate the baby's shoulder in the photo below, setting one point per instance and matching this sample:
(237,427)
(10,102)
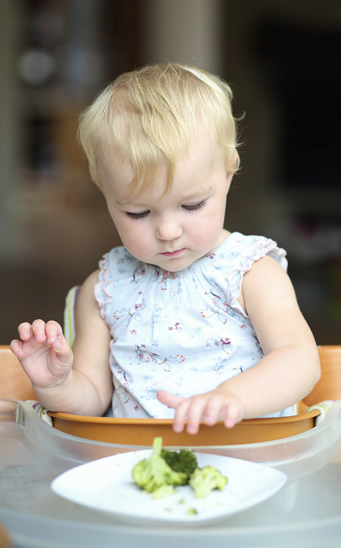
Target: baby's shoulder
(235,257)
(239,252)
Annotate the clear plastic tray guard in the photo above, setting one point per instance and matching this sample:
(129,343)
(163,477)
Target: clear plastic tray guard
(305,513)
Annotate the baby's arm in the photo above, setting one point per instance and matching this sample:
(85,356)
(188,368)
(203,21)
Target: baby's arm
(290,367)
(74,381)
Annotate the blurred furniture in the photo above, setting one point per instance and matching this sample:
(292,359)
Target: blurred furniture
(13,380)
(4,538)
(329,385)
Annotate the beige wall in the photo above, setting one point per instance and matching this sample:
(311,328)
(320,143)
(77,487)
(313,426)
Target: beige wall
(8,125)
(188,31)
(50,241)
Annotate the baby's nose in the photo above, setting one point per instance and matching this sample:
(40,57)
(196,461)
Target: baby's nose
(168,230)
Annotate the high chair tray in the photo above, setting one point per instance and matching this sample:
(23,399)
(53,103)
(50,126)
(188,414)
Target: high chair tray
(143,431)
(305,513)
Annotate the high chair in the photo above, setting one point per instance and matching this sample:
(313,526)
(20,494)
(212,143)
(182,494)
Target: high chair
(15,385)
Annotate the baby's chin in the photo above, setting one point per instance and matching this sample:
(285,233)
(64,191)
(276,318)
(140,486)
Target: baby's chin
(176,265)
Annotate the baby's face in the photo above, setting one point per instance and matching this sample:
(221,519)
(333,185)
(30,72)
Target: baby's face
(175,229)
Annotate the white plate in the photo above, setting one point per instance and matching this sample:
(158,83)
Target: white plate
(107,485)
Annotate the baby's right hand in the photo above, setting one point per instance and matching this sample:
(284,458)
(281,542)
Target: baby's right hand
(43,353)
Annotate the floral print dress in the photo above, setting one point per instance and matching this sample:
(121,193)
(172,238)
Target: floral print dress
(183,332)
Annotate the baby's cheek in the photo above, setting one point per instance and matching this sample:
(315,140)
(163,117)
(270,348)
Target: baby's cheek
(139,246)
(205,235)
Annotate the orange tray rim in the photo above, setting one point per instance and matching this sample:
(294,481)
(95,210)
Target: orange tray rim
(165,422)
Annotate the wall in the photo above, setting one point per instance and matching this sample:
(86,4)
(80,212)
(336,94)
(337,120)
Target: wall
(54,228)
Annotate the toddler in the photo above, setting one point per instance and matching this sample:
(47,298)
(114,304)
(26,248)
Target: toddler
(187,320)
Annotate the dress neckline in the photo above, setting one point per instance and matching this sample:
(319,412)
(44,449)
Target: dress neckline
(199,263)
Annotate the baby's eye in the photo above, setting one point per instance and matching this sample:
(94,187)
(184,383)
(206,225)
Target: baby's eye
(137,216)
(195,207)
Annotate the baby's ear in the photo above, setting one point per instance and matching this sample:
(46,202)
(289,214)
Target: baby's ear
(229,176)
(231,168)
(98,184)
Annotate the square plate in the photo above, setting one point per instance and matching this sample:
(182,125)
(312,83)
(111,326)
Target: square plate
(106,485)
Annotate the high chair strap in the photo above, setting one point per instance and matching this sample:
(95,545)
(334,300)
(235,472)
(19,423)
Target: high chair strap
(69,314)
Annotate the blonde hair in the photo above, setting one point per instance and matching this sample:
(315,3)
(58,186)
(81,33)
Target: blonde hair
(155,113)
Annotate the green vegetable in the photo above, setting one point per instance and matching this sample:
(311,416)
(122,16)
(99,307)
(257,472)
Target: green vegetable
(181,461)
(163,491)
(167,469)
(204,480)
(152,473)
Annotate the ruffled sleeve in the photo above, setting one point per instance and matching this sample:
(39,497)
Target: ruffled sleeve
(117,271)
(244,251)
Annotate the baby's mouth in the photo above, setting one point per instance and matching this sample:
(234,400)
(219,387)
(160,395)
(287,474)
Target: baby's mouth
(173,253)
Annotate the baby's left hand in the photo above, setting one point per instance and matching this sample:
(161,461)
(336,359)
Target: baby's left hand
(209,408)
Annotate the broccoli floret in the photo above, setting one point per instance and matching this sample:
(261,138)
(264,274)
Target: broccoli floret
(181,461)
(167,469)
(205,479)
(163,491)
(192,511)
(152,473)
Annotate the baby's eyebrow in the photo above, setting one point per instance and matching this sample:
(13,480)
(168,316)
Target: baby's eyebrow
(198,192)
(128,202)
(122,202)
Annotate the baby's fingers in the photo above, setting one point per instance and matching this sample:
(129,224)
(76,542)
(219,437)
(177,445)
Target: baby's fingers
(193,409)
(234,414)
(171,400)
(178,403)
(39,330)
(51,332)
(214,410)
(36,337)
(54,335)
(180,415)
(25,331)
(16,348)
(27,340)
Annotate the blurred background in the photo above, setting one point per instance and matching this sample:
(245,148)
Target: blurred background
(282,59)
